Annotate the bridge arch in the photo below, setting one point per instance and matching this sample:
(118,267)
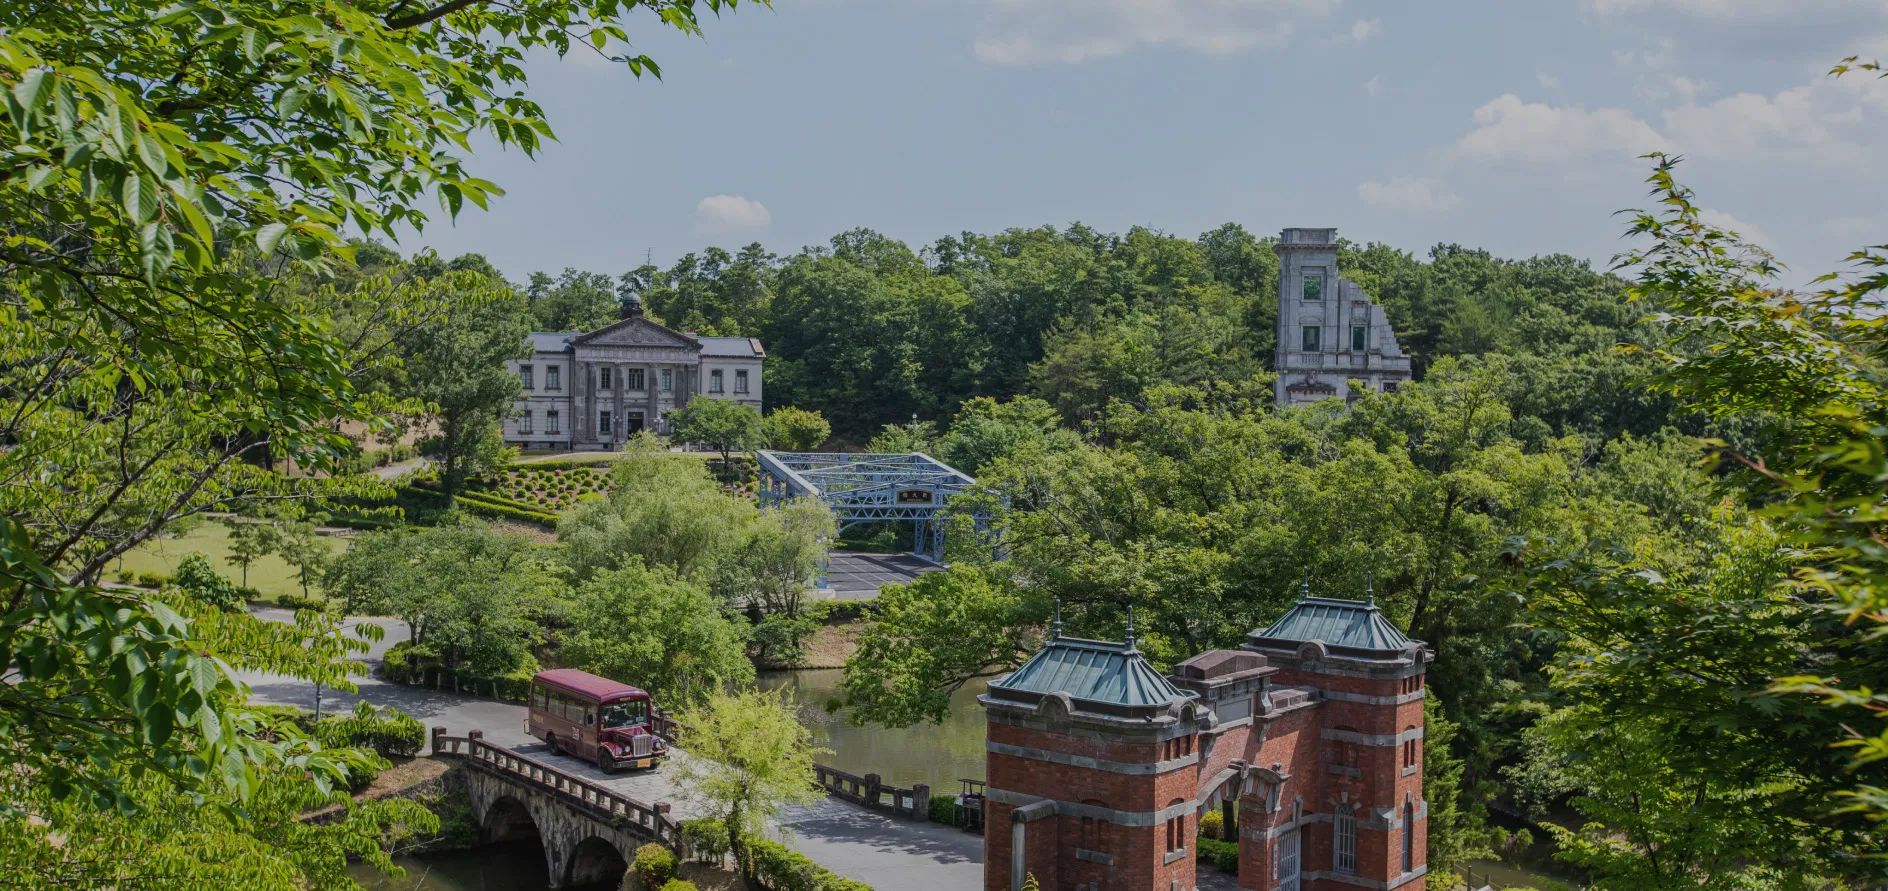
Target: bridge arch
(506,818)
(594,860)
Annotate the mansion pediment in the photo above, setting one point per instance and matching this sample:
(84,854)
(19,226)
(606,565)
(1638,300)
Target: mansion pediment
(637,332)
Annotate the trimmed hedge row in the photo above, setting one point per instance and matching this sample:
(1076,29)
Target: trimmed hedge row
(1223,855)
(500,510)
(565,463)
(781,868)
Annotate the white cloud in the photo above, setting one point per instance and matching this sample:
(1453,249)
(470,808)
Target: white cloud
(1508,129)
(1826,121)
(1374,86)
(1745,231)
(725,213)
(1409,193)
(1547,81)
(1747,30)
(1364,29)
(1034,32)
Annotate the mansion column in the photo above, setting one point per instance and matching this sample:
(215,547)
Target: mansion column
(652,391)
(582,426)
(619,421)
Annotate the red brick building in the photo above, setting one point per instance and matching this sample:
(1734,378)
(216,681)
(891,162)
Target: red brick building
(1308,739)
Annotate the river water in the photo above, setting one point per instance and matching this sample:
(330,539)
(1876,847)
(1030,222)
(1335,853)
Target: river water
(938,755)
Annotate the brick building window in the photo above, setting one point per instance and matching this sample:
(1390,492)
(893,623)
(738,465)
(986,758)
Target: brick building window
(606,376)
(1177,829)
(1409,748)
(1345,752)
(550,421)
(1094,831)
(524,376)
(551,381)
(1409,837)
(740,380)
(1344,841)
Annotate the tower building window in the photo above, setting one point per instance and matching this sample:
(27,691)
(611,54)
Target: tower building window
(1314,286)
(1313,336)
(1344,842)
(1359,335)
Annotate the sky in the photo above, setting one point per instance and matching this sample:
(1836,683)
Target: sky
(1511,125)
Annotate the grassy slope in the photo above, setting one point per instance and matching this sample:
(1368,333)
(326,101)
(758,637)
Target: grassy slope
(270,575)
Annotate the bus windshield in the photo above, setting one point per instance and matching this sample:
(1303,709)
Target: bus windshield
(625,714)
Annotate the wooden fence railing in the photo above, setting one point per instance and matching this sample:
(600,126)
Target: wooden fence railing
(651,821)
(867,791)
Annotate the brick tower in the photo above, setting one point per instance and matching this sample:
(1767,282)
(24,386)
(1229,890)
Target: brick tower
(1092,773)
(1334,793)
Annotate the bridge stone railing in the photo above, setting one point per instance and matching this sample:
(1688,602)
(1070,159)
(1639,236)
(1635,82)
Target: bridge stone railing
(867,791)
(651,821)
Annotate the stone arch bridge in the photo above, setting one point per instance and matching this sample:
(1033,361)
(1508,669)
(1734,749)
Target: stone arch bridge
(589,832)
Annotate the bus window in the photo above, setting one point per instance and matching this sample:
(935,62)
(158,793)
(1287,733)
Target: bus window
(589,717)
(539,698)
(625,714)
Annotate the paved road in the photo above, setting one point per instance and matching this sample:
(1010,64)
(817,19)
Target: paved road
(854,576)
(887,854)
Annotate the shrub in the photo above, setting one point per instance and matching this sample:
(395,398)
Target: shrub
(292,600)
(1223,855)
(707,838)
(202,582)
(126,576)
(151,579)
(1213,825)
(389,731)
(944,809)
(395,666)
(654,864)
(784,869)
(678,885)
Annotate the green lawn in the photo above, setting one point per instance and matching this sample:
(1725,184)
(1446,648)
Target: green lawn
(269,575)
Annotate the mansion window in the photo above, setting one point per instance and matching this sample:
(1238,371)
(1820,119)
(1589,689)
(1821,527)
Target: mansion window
(524,423)
(524,376)
(632,378)
(550,378)
(714,381)
(1313,336)
(550,421)
(1314,286)
(1358,336)
(605,377)
(1344,841)
(668,379)
(603,423)
(740,380)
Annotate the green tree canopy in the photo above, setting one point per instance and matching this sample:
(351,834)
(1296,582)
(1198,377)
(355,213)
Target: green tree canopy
(721,424)
(648,627)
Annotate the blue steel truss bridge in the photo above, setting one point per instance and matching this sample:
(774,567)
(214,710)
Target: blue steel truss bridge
(870,486)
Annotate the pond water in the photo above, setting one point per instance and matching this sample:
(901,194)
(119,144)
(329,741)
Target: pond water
(935,754)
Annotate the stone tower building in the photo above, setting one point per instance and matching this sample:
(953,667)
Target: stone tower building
(1308,739)
(1329,331)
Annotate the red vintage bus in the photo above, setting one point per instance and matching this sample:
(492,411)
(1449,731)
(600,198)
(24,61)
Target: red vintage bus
(594,717)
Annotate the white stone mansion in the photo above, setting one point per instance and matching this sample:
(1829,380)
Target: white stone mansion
(594,391)
(1329,331)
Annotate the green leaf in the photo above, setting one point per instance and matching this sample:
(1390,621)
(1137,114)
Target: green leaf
(269,236)
(26,92)
(139,196)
